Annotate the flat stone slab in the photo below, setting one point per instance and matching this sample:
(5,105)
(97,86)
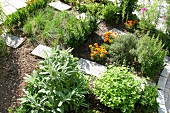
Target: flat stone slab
(162,109)
(166,71)
(59,5)
(42,51)
(160,98)
(90,67)
(118,31)
(162,82)
(13,41)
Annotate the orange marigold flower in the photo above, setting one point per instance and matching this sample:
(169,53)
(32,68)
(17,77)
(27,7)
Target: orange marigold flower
(125,23)
(92,51)
(92,55)
(101,55)
(105,40)
(90,46)
(106,52)
(96,44)
(135,21)
(96,52)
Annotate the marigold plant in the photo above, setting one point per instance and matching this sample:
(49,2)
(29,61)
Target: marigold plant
(130,23)
(110,35)
(97,52)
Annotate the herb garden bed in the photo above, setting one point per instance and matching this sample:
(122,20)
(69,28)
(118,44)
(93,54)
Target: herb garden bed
(57,83)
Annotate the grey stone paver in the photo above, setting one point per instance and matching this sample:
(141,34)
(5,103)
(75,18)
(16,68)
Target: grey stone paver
(162,82)
(42,51)
(162,109)
(166,71)
(10,6)
(13,41)
(160,98)
(91,68)
(59,5)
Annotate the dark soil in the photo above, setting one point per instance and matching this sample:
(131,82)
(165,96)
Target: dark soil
(20,62)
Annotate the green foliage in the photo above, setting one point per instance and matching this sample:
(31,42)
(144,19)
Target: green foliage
(67,30)
(127,7)
(123,49)
(3,46)
(150,17)
(148,100)
(22,14)
(37,23)
(150,55)
(58,86)
(109,12)
(118,88)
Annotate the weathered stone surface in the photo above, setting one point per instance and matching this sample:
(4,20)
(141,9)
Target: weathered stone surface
(9,9)
(160,98)
(162,82)
(162,109)
(90,67)
(166,71)
(167,103)
(118,31)
(42,51)
(168,83)
(13,41)
(60,5)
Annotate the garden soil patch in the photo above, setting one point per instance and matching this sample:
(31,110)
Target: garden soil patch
(12,70)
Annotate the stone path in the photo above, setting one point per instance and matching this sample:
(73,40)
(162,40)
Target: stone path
(164,88)
(13,41)
(10,6)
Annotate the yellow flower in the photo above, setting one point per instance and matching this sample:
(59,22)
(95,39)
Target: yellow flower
(101,55)
(90,46)
(92,55)
(110,41)
(96,44)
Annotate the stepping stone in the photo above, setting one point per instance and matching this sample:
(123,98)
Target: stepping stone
(42,51)
(9,9)
(59,5)
(13,41)
(90,67)
(118,31)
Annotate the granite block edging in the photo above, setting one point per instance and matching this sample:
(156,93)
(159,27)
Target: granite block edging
(162,89)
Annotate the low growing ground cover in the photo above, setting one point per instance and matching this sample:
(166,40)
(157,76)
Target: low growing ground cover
(57,85)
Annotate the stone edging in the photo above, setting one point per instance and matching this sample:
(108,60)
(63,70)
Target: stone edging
(161,86)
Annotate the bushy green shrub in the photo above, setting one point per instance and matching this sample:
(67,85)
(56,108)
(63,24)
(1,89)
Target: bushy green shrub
(35,25)
(150,54)
(109,12)
(57,86)
(22,14)
(68,30)
(123,49)
(127,7)
(118,88)
(148,100)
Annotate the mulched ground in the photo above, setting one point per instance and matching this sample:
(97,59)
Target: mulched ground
(12,70)
(20,62)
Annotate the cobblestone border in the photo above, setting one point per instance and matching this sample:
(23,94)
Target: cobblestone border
(162,89)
